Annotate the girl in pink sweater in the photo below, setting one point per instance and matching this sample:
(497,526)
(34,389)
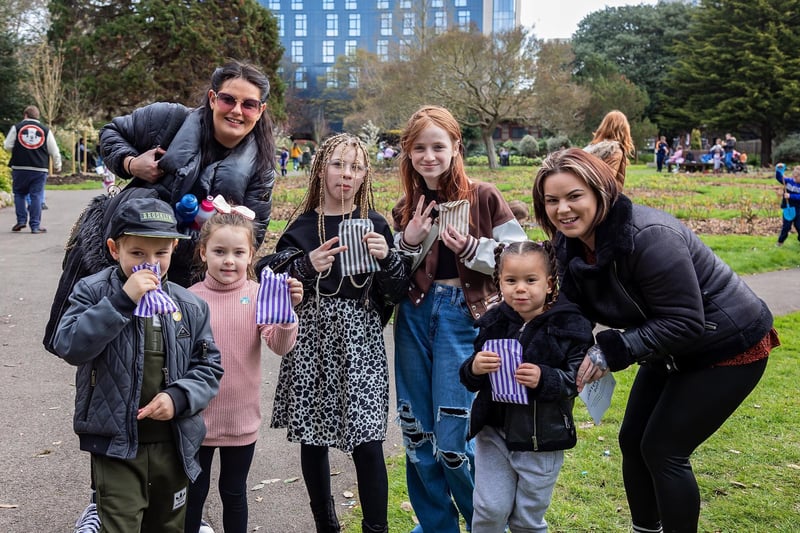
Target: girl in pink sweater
(226,248)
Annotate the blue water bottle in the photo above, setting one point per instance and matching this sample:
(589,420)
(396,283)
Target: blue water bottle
(186,209)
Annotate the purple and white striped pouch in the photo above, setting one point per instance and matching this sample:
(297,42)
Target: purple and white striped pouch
(274,301)
(356,259)
(156,301)
(504,388)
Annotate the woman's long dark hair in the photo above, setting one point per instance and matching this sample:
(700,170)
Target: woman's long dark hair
(262,132)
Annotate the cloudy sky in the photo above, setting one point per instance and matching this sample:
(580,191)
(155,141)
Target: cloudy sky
(559,18)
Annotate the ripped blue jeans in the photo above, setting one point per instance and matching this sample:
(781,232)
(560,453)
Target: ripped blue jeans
(431,342)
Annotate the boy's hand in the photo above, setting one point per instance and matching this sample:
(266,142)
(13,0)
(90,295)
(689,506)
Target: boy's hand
(528,375)
(159,408)
(485,362)
(295,291)
(139,283)
(376,245)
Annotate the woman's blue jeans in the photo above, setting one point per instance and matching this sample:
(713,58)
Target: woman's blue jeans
(431,342)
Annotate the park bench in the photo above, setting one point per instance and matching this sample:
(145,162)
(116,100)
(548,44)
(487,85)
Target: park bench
(691,166)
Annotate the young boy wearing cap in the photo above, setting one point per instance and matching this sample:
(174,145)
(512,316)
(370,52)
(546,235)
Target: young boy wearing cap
(147,365)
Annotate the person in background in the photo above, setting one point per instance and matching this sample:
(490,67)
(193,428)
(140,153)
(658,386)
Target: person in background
(699,334)
(31,144)
(84,159)
(295,154)
(729,146)
(451,286)
(284,160)
(662,150)
(789,197)
(612,142)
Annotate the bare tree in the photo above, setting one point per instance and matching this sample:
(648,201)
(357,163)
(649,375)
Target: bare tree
(561,103)
(484,79)
(44,81)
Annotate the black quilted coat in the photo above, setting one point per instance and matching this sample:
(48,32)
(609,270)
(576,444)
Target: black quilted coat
(100,335)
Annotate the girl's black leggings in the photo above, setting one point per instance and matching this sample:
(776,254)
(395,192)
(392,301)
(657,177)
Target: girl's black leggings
(666,418)
(234,465)
(373,489)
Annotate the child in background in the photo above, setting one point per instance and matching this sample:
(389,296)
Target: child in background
(717,152)
(226,249)
(284,161)
(791,198)
(142,380)
(434,326)
(519,447)
(333,387)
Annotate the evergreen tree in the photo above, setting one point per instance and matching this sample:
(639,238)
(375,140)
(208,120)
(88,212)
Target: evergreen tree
(122,54)
(745,79)
(634,41)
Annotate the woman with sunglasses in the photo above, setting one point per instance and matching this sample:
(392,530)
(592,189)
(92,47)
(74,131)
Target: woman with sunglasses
(225,147)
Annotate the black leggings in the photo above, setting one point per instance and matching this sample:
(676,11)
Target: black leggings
(666,418)
(234,465)
(373,489)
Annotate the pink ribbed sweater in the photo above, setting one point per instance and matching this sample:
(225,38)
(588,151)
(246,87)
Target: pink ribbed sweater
(233,417)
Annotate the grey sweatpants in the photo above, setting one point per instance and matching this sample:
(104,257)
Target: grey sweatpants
(511,488)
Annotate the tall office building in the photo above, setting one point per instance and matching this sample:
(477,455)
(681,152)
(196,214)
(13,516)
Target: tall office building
(316,32)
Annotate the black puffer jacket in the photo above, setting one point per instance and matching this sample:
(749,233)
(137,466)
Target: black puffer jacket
(676,300)
(557,341)
(177,129)
(100,335)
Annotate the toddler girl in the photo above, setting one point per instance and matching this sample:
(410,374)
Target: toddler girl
(226,248)
(520,441)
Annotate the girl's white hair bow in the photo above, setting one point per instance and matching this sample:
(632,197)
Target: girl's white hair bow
(222,206)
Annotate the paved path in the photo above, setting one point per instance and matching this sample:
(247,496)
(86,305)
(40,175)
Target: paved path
(43,473)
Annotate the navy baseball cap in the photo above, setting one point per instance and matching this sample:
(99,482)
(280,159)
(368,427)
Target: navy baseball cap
(145,217)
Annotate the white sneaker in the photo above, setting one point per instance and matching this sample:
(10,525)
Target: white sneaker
(205,527)
(89,521)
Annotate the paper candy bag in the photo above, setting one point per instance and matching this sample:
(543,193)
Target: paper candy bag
(356,259)
(274,301)
(156,301)
(504,388)
(456,214)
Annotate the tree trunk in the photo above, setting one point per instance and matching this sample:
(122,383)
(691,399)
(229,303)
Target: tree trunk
(488,142)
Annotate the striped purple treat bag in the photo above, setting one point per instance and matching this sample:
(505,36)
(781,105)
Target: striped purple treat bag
(274,301)
(504,387)
(356,259)
(156,301)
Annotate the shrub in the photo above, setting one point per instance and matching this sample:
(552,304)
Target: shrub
(477,161)
(787,151)
(5,170)
(529,146)
(557,143)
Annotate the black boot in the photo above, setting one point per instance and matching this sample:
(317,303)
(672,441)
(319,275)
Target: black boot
(366,528)
(325,517)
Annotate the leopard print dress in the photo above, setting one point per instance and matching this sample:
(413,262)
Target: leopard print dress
(333,387)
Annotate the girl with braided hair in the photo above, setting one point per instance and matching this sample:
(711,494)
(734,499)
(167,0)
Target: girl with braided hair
(520,442)
(333,387)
